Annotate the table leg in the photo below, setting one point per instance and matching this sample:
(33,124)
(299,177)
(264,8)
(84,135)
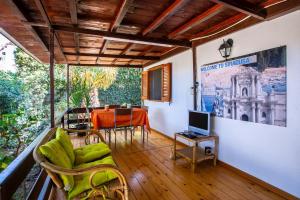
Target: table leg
(174,150)
(143,133)
(216,151)
(109,137)
(194,157)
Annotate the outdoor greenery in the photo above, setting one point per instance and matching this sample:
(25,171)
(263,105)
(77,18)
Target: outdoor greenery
(85,83)
(25,100)
(126,88)
(24,107)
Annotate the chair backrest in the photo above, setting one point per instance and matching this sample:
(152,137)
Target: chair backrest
(114,106)
(122,112)
(43,161)
(135,106)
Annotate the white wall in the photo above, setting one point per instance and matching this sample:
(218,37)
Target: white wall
(169,118)
(270,153)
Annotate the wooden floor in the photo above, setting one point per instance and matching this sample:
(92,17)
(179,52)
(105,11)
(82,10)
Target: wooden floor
(151,174)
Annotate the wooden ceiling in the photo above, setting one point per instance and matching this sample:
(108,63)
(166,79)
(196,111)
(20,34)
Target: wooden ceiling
(129,33)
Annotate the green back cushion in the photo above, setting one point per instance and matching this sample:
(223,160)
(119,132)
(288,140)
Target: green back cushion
(91,152)
(82,181)
(65,141)
(57,155)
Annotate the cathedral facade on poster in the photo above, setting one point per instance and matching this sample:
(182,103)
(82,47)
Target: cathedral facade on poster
(247,101)
(242,92)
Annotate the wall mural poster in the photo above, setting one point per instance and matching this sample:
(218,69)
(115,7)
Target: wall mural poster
(248,88)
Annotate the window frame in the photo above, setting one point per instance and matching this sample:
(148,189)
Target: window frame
(168,88)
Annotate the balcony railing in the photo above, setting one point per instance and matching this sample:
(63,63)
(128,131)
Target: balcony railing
(12,177)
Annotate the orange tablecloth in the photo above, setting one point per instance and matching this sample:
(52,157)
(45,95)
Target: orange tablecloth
(105,118)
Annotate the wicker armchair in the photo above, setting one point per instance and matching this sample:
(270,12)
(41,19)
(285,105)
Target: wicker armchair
(115,189)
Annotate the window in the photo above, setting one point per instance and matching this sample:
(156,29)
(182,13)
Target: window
(155,77)
(156,83)
(244,92)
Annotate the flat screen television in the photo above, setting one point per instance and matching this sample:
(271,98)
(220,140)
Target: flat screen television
(199,122)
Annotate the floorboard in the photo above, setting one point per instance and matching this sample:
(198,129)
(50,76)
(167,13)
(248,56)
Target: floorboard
(151,174)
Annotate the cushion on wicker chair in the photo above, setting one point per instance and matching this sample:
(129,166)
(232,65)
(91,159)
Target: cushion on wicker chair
(82,181)
(90,152)
(58,156)
(65,141)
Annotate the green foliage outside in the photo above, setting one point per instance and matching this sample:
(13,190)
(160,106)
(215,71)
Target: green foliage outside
(10,92)
(25,100)
(126,88)
(85,83)
(24,107)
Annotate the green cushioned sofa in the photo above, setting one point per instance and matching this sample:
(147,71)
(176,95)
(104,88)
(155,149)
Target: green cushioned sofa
(88,172)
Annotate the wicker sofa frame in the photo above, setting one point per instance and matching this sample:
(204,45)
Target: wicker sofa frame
(113,189)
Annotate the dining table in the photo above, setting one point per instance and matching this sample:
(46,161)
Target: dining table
(104,119)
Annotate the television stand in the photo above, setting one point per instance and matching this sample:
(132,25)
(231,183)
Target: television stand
(195,154)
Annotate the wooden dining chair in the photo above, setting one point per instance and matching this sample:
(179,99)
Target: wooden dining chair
(113,106)
(123,127)
(135,106)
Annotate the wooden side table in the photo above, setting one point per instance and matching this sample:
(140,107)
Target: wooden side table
(195,154)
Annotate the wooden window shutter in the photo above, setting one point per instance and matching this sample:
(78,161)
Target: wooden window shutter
(167,82)
(145,87)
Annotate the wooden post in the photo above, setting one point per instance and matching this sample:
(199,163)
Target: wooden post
(51,74)
(194,52)
(68,86)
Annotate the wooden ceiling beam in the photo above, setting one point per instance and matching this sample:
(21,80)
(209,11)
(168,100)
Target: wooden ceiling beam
(124,51)
(104,65)
(220,25)
(102,49)
(145,51)
(73,11)
(38,24)
(74,20)
(114,56)
(122,10)
(43,12)
(125,37)
(244,7)
(167,54)
(230,21)
(197,20)
(175,6)
(16,7)
(280,8)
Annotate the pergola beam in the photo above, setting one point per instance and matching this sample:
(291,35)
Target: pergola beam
(102,49)
(23,17)
(145,51)
(220,25)
(175,6)
(122,10)
(74,19)
(42,10)
(244,7)
(197,20)
(114,56)
(124,51)
(104,65)
(125,37)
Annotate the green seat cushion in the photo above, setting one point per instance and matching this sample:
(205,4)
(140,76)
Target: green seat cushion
(82,181)
(65,141)
(58,156)
(91,152)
